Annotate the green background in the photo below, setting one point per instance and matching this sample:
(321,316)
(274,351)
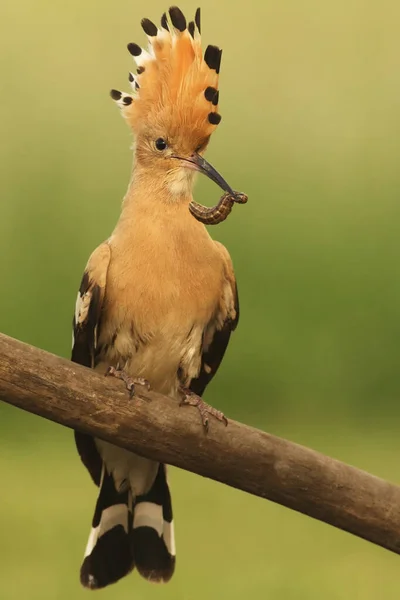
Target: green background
(310,97)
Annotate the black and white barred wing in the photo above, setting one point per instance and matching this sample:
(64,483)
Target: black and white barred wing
(88,307)
(84,343)
(216,337)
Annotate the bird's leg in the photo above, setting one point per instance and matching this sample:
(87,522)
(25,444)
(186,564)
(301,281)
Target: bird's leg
(205,410)
(130,382)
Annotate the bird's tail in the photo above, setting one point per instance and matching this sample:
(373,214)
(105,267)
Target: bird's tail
(153,531)
(129,532)
(108,554)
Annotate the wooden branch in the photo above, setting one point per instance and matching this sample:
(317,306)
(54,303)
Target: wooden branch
(240,456)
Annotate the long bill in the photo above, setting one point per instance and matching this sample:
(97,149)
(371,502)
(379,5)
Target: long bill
(198,163)
(218,213)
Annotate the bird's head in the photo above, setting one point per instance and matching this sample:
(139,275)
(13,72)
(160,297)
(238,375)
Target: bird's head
(173,109)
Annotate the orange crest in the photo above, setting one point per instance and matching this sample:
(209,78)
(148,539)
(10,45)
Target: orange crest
(175,85)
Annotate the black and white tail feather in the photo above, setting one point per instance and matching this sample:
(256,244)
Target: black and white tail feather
(109,553)
(128,533)
(132,524)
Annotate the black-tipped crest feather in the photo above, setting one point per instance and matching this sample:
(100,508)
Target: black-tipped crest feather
(212,57)
(210,93)
(164,22)
(177,18)
(134,49)
(214,118)
(149,28)
(197,19)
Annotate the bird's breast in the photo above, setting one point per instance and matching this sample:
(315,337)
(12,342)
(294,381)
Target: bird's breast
(155,313)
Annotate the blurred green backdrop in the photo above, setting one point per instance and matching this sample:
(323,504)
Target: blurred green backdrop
(310,96)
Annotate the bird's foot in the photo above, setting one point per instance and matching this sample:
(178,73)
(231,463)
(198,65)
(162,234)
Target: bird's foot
(130,382)
(204,409)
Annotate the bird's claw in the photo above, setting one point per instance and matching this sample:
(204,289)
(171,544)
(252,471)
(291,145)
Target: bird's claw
(205,410)
(130,382)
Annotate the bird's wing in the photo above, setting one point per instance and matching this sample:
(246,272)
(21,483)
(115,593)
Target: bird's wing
(86,323)
(216,336)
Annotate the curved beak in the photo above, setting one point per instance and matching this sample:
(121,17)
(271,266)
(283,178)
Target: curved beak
(198,163)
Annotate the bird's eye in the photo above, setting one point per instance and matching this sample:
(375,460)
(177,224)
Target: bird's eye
(161,144)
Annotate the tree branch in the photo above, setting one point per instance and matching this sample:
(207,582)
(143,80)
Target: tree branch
(240,456)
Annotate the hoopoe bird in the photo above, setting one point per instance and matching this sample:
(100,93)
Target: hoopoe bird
(158,300)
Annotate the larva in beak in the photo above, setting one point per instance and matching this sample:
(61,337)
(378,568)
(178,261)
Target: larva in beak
(218,213)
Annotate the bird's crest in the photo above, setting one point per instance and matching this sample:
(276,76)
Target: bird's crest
(175,84)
